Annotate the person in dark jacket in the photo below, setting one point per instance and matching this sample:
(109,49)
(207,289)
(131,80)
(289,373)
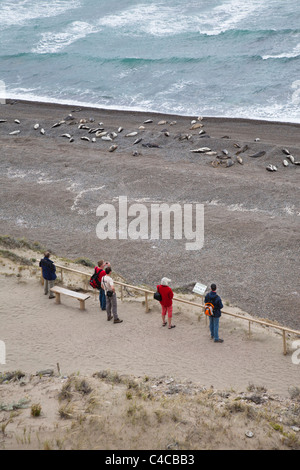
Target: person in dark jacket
(49,275)
(213,298)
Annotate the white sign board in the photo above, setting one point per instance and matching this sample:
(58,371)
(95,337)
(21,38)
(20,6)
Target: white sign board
(199,288)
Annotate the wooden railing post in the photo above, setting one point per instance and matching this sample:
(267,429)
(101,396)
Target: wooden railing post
(284,342)
(146,302)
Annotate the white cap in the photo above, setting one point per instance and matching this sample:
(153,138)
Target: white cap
(165,281)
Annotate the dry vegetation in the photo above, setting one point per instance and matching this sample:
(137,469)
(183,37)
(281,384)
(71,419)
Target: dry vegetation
(114,412)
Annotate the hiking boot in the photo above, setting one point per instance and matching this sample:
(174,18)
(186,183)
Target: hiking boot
(109,318)
(51,296)
(118,321)
(219,340)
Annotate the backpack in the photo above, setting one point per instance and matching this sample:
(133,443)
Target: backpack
(209,309)
(94,280)
(157,296)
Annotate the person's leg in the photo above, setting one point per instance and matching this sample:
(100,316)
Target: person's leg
(211,326)
(108,308)
(170,314)
(114,308)
(45,286)
(163,315)
(51,284)
(102,299)
(216,328)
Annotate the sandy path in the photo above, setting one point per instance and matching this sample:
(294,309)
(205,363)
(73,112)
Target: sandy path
(39,334)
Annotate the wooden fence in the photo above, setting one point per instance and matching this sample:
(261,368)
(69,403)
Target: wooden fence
(150,293)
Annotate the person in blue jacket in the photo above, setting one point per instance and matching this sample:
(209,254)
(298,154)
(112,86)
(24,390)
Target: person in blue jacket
(213,298)
(49,275)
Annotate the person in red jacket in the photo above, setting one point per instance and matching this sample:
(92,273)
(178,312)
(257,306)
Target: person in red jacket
(100,269)
(166,301)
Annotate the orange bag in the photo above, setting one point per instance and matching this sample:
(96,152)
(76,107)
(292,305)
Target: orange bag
(209,309)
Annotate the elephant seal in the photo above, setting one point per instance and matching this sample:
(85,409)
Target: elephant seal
(271,168)
(131,134)
(258,154)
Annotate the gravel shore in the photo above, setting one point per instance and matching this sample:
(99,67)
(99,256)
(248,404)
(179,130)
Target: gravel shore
(51,188)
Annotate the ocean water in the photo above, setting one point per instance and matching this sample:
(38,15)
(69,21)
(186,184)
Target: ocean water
(229,58)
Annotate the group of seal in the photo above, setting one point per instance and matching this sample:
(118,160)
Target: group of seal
(222,158)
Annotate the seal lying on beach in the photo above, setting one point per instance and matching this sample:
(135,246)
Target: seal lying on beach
(151,145)
(258,154)
(242,150)
(131,134)
(271,168)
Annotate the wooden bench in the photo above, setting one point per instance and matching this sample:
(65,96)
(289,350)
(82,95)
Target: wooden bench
(77,295)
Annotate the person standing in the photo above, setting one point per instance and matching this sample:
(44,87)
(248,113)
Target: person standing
(213,298)
(101,272)
(166,301)
(111,296)
(49,274)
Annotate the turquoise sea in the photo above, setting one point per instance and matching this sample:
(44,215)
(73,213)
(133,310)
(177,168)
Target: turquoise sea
(230,58)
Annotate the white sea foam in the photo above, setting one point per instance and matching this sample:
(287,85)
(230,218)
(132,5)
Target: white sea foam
(152,19)
(229,15)
(160,20)
(273,112)
(156,20)
(23,11)
(285,55)
(54,42)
